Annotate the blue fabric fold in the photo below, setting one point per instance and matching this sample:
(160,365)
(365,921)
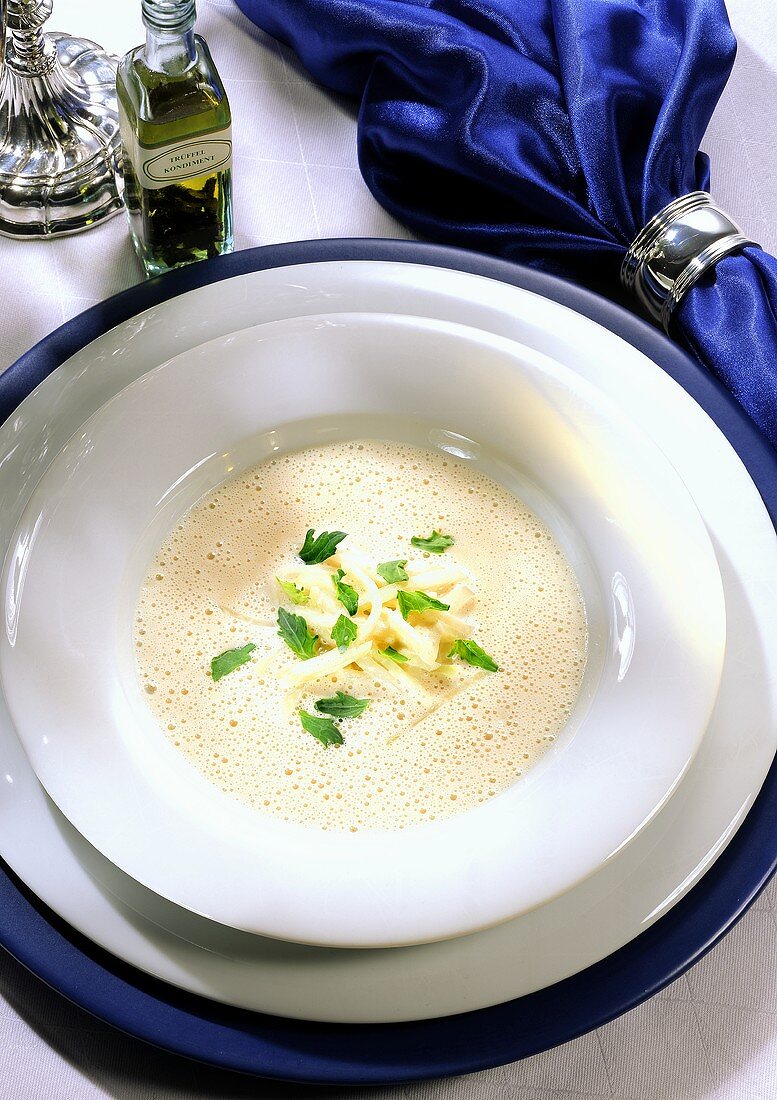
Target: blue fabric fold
(548,132)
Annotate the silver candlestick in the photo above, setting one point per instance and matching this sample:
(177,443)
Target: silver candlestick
(60,153)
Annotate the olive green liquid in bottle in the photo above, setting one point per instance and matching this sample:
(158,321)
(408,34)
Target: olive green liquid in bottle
(176,132)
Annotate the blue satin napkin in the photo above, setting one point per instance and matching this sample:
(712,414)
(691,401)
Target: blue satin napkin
(549,132)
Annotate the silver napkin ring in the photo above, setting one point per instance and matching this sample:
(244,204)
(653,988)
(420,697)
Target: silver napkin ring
(673,251)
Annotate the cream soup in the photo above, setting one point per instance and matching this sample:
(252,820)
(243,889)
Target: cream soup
(436,734)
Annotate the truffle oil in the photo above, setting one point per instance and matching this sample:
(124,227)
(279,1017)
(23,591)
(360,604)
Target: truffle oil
(177,138)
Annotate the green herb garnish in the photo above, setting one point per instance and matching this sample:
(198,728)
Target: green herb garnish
(230,659)
(418,601)
(323,729)
(393,571)
(473,655)
(347,596)
(343,632)
(400,658)
(295,594)
(318,549)
(437,543)
(296,634)
(341,705)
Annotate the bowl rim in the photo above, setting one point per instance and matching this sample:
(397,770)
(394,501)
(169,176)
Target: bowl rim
(281,926)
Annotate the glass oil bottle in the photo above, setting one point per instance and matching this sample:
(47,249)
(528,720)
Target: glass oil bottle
(176,132)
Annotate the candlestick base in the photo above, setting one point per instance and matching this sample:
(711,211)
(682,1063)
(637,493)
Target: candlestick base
(60,152)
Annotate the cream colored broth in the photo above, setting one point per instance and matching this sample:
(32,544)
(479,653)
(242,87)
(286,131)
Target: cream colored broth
(426,747)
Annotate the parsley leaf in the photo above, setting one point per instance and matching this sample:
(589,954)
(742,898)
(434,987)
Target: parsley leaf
(341,705)
(296,634)
(347,596)
(343,633)
(295,594)
(230,660)
(318,549)
(437,543)
(400,658)
(418,601)
(473,655)
(393,571)
(323,729)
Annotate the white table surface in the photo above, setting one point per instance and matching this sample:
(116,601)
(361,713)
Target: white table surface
(712,1035)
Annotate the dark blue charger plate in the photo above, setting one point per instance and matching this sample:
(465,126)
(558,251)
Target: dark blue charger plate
(270,1046)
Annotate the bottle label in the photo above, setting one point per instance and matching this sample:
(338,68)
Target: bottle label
(181,160)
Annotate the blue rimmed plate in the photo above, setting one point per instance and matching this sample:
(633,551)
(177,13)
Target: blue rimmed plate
(381,1053)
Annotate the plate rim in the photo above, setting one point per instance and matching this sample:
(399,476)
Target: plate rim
(187,1024)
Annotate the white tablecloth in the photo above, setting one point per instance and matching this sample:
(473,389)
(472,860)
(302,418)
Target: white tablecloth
(710,1036)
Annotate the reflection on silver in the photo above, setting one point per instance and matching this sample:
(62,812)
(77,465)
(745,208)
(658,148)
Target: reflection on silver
(60,152)
(673,251)
(623,623)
